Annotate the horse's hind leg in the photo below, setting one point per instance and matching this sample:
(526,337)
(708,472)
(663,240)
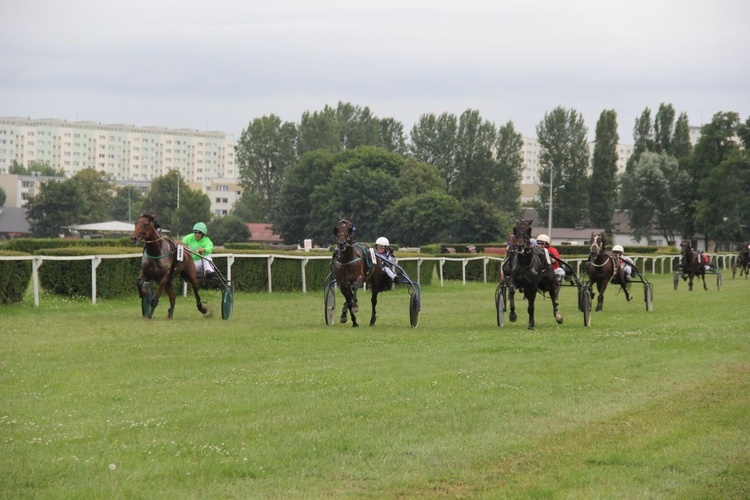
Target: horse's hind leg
(530,309)
(170,293)
(198,303)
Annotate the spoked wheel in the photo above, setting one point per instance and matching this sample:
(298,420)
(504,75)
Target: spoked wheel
(500,296)
(227,301)
(330,303)
(676,280)
(585,301)
(146,299)
(718,280)
(648,296)
(414,307)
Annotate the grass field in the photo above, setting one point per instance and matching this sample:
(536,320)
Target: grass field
(99,403)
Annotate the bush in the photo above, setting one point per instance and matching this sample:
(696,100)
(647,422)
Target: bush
(15,276)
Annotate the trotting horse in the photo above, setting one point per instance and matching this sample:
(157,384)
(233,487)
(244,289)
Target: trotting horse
(692,265)
(350,267)
(742,262)
(531,273)
(159,263)
(602,267)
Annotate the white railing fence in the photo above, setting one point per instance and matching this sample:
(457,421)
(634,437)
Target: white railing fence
(660,264)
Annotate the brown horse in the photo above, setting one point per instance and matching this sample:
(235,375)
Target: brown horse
(353,265)
(692,265)
(531,273)
(602,267)
(159,263)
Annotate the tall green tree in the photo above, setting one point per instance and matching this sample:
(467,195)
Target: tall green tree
(681,145)
(195,206)
(347,127)
(56,206)
(603,185)
(717,144)
(476,170)
(419,178)
(421,219)
(564,160)
(265,150)
(229,229)
(362,184)
(293,216)
(40,168)
(478,222)
(434,140)
(127,204)
(162,198)
(654,190)
(509,156)
(643,137)
(663,126)
(96,198)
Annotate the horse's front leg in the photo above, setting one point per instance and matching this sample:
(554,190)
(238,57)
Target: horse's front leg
(140,283)
(600,287)
(530,297)
(690,288)
(703,277)
(512,299)
(374,302)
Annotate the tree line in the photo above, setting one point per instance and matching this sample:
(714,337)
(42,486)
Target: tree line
(453,179)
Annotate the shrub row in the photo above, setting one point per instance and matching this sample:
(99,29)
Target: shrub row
(15,276)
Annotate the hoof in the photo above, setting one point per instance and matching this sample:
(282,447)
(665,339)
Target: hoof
(559,319)
(355,309)
(343,319)
(513,317)
(531,327)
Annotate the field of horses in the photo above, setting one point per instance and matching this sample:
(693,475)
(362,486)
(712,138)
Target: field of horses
(99,403)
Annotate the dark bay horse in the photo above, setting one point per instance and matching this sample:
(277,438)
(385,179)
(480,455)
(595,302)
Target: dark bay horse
(692,265)
(602,266)
(353,265)
(742,263)
(159,263)
(531,273)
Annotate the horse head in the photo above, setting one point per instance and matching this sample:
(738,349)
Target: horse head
(344,233)
(145,229)
(598,244)
(522,232)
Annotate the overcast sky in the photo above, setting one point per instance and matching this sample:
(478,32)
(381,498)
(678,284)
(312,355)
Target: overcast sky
(219,64)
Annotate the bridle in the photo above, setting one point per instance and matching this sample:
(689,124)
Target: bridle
(344,238)
(142,235)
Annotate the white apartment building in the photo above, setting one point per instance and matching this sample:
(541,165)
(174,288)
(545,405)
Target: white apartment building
(125,152)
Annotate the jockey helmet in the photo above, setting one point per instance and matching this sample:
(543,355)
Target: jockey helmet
(618,248)
(382,241)
(200,226)
(543,238)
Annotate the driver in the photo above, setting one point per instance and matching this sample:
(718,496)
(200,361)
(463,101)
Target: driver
(201,248)
(384,251)
(626,263)
(543,241)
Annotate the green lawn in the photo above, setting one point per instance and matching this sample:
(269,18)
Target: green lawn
(99,403)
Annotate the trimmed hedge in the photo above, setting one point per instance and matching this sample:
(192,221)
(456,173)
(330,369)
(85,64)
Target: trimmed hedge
(114,277)
(15,276)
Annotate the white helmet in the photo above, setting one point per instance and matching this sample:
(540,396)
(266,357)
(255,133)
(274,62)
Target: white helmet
(618,248)
(543,238)
(382,241)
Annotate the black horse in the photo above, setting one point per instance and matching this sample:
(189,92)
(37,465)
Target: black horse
(531,272)
(742,262)
(602,266)
(159,263)
(353,265)
(692,265)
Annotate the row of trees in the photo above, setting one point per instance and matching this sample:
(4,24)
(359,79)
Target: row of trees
(89,197)
(457,178)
